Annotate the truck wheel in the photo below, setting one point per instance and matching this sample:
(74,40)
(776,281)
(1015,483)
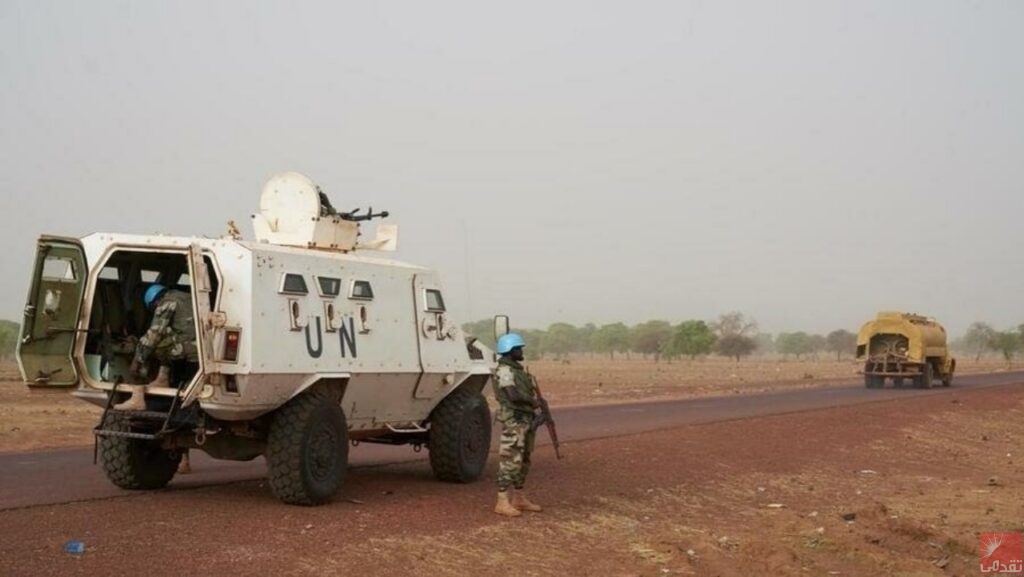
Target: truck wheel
(460,437)
(307,451)
(924,380)
(873,382)
(135,464)
(947,378)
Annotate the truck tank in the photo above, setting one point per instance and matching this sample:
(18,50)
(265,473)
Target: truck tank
(901,345)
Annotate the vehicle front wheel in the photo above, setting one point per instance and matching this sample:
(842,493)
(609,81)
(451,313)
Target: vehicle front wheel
(307,450)
(460,437)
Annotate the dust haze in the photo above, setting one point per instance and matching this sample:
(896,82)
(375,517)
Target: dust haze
(807,163)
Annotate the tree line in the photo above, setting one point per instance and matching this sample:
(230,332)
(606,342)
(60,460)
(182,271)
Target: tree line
(732,335)
(981,338)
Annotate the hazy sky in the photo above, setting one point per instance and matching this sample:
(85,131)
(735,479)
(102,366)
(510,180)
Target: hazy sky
(808,163)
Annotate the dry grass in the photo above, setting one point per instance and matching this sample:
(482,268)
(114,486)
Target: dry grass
(32,419)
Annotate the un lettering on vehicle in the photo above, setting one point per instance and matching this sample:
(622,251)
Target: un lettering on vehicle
(314,333)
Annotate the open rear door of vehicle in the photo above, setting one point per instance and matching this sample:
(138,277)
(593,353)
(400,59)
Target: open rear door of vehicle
(50,325)
(201,289)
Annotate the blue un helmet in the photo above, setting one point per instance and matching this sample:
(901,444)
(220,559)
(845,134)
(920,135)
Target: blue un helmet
(509,341)
(154,291)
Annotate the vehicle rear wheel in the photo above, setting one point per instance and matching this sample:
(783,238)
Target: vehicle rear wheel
(897,382)
(460,437)
(136,464)
(873,381)
(307,450)
(947,378)
(924,380)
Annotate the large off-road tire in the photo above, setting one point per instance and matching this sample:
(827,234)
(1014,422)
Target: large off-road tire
(135,464)
(947,378)
(460,437)
(924,380)
(307,450)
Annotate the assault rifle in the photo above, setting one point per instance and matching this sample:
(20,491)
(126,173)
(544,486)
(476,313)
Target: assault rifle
(545,418)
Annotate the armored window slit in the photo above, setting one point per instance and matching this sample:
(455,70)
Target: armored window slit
(361,290)
(433,301)
(329,287)
(293,284)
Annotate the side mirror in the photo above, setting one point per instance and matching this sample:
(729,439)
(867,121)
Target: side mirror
(501,326)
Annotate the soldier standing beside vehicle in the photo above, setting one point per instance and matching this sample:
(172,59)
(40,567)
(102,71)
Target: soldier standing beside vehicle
(517,406)
(171,337)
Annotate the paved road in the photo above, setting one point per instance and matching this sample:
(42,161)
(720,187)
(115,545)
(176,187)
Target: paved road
(64,476)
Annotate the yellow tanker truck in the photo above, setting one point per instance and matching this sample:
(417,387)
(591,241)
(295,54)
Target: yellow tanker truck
(904,346)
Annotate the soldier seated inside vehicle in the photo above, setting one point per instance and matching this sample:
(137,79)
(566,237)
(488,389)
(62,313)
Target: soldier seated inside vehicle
(142,322)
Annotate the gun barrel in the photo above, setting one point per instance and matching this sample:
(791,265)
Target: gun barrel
(545,418)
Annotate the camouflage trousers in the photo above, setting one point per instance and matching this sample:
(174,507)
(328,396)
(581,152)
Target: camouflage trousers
(517,441)
(172,348)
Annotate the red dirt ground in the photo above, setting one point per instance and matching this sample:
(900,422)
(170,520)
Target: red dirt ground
(921,476)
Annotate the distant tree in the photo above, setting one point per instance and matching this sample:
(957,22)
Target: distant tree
(561,339)
(735,346)
(690,338)
(765,343)
(818,343)
(611,339)
(585,338)
(9,332)
(979,339)
(798,343)
(536,341)
(1008,343)
(735,323)
(841,341)
(649,338)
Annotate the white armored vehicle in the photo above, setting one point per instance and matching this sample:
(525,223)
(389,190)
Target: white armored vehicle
(306,344)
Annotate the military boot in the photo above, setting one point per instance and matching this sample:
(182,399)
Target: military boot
(163,378)
(137,402)
(504,507)
(184,467)
(521,502)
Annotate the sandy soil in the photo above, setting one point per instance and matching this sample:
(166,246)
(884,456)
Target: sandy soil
(31,419)
(916,479)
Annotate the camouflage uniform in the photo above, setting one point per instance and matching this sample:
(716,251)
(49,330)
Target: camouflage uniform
(517,398)
(172,334)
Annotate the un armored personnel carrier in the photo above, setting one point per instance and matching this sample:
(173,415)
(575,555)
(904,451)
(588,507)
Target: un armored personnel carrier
(307,343)
(901,347)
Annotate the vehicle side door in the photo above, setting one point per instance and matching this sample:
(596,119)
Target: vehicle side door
(49,329)
(441,347)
